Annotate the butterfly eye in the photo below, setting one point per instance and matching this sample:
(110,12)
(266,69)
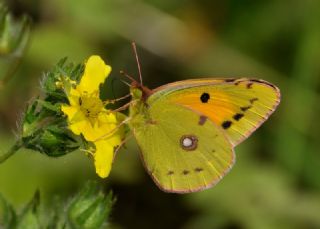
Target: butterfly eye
(189,142)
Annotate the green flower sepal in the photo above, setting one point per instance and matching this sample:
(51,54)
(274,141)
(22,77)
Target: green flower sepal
(46,134)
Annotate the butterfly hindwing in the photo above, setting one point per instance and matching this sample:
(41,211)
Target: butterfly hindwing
(176,167)
(236,106)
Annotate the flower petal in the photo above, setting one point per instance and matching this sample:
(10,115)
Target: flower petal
(106,128)
(70,111)
(103,158)
(74,97)
(78,123)
(82,127)
(95,73)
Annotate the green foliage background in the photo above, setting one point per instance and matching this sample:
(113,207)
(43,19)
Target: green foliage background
(276,180)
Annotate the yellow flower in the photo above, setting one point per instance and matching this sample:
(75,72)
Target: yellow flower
(88,116)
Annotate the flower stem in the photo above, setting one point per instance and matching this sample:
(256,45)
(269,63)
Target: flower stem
(11,151)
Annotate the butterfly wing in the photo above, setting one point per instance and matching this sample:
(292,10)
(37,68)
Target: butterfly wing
(236,106)
(174,164)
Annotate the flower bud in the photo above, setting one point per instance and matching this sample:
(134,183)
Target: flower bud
(90,208)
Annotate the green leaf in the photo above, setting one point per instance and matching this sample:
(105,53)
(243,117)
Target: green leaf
(29,218)
(7,214)
(90,208)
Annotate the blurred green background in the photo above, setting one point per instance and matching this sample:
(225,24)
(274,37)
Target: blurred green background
(276,180)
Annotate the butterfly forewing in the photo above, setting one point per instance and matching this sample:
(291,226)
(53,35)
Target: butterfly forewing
(237,107)
(182,151)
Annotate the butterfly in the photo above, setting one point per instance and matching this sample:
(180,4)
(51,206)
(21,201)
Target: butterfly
(187,130)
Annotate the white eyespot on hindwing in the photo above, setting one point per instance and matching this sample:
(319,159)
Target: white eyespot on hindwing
(189,142)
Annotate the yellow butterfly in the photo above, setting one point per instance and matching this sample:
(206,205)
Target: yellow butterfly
(187,130)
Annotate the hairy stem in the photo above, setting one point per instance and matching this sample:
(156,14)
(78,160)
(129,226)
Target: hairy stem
(11,151)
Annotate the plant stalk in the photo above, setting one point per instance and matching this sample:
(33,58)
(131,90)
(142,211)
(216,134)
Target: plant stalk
(11,151)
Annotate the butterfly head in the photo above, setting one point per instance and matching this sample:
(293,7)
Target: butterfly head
(138,91)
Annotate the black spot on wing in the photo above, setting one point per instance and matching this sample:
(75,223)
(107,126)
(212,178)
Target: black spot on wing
(198,170)
(202,120)
(205,97)
(249,85)
(170,173)
(245,108)
(185,172)
(238,116)
(253,100)
(226,124)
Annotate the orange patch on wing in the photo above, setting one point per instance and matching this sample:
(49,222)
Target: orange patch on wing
(218,108)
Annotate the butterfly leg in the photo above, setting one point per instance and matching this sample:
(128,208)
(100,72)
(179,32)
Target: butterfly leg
(120,145)
(118,99)
(113,131)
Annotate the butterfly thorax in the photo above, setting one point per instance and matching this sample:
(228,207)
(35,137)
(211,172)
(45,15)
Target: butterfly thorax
(139,108)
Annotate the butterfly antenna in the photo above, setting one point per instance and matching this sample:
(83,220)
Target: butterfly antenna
(137,59)
(126,83)
(127,75)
